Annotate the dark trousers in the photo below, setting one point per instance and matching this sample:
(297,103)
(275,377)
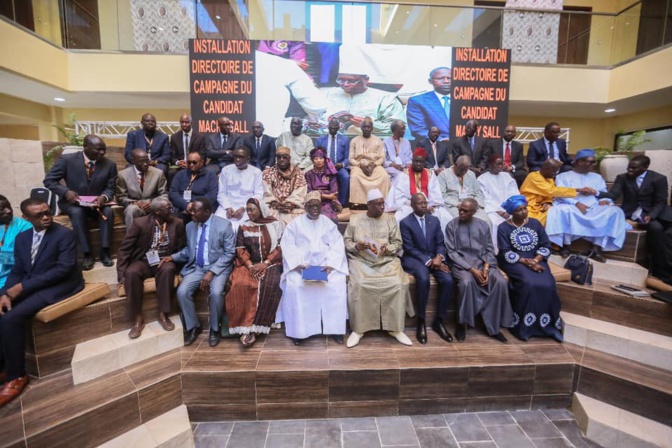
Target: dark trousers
(343,179)
(216,167)
(421,274)
(519,176)
(13,329)
(78,216)
(659,242)
(134,277)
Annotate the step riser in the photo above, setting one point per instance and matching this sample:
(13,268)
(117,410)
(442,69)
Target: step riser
(627,273)
(171,429)
(633,250)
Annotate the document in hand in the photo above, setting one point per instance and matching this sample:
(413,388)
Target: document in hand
(314,274)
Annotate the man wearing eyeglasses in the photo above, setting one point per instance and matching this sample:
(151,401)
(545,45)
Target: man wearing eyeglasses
(194,182)
(585,216)
(45,271)
(354,100)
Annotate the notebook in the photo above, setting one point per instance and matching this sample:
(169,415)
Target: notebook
(314,274)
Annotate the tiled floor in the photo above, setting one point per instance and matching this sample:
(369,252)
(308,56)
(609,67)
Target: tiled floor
(554,428)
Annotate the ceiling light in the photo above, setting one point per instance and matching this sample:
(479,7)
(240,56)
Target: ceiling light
(60,100)
(609,110)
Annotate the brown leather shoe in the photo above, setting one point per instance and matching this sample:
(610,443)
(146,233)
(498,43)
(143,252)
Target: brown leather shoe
(166,323)
(136,331)
(12,389)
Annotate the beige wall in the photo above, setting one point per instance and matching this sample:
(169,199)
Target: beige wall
(23,132)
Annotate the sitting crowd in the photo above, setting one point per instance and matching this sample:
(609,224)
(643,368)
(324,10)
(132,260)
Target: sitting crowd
(265,249)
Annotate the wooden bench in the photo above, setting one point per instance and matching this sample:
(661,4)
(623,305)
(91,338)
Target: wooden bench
(91,293)
(149,286)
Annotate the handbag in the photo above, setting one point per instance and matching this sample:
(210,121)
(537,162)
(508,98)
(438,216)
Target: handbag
(582,269)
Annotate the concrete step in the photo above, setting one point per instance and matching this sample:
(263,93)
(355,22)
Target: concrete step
(101,274)
(97,357)
(614,271)
(630,343)
(610,426)
(633,250)
(171,429)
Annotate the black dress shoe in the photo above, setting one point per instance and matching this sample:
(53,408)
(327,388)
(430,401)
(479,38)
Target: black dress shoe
(442,331)
(338,338)
(500,337)
(564,252)
(191,335)
(296,341)
(421,333)
(87,263)
(596,254)
(461,332)
(214,338)
(105,258)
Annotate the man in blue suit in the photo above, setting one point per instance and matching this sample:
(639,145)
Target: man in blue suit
(211,246)
(86,173)
(338,149)
(155,142)
(45,272)
(432,108)
(549,146)
(424,254)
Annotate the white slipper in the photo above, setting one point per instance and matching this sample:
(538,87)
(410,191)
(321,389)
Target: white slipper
(353,339)
(401,337)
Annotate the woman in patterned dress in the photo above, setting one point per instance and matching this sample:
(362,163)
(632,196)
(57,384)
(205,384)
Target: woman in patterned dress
(524,248)
(322,178)
(255,293)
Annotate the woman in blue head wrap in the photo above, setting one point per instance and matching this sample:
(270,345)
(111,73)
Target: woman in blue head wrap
(524,248)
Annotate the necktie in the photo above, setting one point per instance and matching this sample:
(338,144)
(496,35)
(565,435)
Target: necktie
(639,181)
(186,145)
(471,143)
(436,162)
(551,152)
(201,247)
(258,146)
(37,239)
(332,149)
(446,104)
(507,154)
(142,181)
(422,226)
(224,141)
(89,172)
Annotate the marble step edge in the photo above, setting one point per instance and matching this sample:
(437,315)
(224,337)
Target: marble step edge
(648,348)
(97,357)
(611,426)
(171,429)
(613,271)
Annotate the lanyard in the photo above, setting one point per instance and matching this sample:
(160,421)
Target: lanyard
(163,234)
(193,178)
(2,243)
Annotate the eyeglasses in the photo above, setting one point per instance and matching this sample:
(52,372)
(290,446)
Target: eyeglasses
(41,215)
(193,162)
(352,82)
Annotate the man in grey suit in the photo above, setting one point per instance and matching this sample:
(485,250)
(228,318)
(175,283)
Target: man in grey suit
(137,185)
(86,173)
(211,246)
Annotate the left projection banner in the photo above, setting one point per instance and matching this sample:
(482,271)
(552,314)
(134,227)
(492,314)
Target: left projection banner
(222,83)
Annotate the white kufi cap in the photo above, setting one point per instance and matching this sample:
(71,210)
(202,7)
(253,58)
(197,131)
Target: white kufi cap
(374,194)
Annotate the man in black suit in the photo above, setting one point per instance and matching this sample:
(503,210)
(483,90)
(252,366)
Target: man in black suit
(549,146)
(261,146)
(438,153)
(187,138)
(219,147)
(425,254)
(645,201)
(473,146)
(512,154)
(86,173)
(151,140)
(45,272)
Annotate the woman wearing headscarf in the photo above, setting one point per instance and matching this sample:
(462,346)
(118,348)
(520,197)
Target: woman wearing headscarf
(322,178)
(254,294)
(524,248)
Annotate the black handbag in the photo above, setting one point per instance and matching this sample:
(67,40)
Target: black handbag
(582,269)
